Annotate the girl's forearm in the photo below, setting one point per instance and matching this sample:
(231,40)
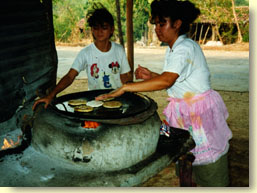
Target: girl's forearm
(158,82)
(153,84)
(154,74)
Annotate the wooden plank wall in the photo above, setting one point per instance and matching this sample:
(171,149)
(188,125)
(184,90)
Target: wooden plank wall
(28,59)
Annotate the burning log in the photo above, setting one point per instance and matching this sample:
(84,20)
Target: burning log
(9,147)
(10,144)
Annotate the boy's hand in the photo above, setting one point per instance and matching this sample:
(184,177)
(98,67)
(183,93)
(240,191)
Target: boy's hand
(47,100)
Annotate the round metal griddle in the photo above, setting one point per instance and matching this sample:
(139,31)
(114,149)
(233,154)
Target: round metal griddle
(132,104)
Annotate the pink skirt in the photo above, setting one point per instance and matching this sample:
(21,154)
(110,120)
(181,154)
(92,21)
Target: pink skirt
(204,116)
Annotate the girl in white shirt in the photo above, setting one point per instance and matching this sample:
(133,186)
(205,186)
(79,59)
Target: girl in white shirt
(193,106)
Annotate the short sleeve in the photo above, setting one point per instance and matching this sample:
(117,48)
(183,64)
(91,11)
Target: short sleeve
(80,62)
(178,61)
(124,61)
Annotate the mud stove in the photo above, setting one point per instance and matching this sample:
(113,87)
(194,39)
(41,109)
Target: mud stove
(106,147)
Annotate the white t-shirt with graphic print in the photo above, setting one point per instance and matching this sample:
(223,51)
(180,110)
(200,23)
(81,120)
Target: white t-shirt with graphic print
(103,68)
(188,61)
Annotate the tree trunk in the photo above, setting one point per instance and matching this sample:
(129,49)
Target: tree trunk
(119,22)
(239,35)
(150,33)
(206,33)
(218,33)
(200,36)
(213,30)
(130,40)
(196,29)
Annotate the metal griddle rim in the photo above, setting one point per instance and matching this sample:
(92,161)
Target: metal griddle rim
(92,94)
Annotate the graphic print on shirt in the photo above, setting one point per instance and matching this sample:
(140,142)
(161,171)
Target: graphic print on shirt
(94,71)
(106,81)
(115,67)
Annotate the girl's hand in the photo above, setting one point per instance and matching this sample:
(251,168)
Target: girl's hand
(142,73)
(112,94)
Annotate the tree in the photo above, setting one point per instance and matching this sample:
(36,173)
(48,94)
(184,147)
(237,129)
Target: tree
(242,2)
(141,15)
(215,12)
(66,15)
(239,35)
(119,22)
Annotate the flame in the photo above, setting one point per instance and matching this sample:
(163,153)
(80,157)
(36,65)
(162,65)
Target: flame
(8,144)
(91,124)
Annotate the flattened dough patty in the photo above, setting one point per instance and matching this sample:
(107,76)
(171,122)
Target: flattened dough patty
(112,104)
(83,108)
(77,102)
(94,103)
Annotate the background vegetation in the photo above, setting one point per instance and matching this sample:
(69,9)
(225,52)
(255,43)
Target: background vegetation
(217,21)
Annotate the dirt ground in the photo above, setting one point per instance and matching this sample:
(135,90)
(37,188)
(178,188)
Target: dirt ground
(238,107)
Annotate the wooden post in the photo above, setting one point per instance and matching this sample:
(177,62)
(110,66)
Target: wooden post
(185,170)
(130,40)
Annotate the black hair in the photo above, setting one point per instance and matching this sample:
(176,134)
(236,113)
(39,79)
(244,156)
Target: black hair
(99,15)
(175,9)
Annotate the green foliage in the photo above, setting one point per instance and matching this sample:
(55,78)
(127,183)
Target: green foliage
(67,14)
(242,2)
(245,32)
(219,12)
(215,11)
(228,33)
(141,14)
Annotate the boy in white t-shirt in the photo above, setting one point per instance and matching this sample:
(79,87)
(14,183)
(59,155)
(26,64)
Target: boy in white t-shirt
(105,62)
(104,69)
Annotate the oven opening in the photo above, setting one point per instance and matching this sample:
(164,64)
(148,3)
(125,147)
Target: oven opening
(90,124)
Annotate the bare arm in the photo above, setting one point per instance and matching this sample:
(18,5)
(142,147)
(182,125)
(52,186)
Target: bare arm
(163,81)
(66,81)
(63,83)
(158,82)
